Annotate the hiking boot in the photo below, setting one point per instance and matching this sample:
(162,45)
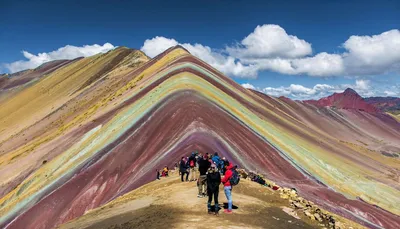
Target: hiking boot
(209,211)
(216,213)
(228,211)
(200,196)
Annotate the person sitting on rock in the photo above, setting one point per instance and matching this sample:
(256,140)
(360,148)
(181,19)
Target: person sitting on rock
(213,182)
(165,171)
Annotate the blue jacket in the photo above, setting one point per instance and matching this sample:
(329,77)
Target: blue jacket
(216,159)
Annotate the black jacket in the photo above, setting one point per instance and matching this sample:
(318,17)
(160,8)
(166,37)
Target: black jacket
(213,181)
(192,158)
(203,166)
(183,166)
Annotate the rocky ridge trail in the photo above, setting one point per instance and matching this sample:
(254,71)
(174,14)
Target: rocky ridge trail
(169,203)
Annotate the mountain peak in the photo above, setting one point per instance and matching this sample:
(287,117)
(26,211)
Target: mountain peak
(349,99)
(350,91)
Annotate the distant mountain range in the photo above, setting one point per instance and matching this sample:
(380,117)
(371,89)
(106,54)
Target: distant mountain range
(78,134)
(386,104)
(350,99)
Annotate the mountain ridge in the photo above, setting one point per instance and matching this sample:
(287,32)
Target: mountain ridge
(349,99)
(107,138)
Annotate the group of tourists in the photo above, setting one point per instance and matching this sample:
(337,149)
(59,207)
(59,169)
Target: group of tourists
(210,170)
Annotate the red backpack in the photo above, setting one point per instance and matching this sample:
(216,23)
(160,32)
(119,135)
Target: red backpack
(191,163)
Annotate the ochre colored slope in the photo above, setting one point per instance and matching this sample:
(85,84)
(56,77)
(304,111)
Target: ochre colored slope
(397,117)
(111,130)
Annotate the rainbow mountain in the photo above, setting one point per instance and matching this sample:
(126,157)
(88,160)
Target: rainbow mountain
(76,134)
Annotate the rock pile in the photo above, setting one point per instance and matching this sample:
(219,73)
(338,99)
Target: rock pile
(297,202)
(309,209)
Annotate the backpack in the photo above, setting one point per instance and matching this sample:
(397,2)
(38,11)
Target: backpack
(216,160)
(235,178)
(191,163)
(221,164)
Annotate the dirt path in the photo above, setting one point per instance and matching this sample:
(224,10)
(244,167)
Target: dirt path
(169,203)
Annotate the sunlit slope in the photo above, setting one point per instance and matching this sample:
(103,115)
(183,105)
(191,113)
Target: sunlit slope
(39,100)
(174,104)
(397,117)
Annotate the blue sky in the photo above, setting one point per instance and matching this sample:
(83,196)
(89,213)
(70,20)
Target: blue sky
(219,28)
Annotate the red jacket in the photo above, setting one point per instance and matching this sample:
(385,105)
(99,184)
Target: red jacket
(228,175)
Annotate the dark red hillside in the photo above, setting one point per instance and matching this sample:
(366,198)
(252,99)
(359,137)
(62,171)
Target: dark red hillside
(349,99)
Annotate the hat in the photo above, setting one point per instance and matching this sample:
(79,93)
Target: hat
(213,166)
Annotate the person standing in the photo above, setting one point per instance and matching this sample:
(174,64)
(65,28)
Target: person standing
(158,174)
(192,165)
(183,169)
(213,182)
(227,186)
(204,165)
(176,167)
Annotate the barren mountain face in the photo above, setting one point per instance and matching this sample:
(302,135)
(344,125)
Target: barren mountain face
(76,135)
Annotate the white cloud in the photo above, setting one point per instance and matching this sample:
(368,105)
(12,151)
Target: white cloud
(267,48)
(363,55)
(270,48)
(321,65)
(297,91)
(376,54)
(153,47)
(362,85)
(249,86)
(270,41)
(226,64)
(391,93)
(66,52)
(300,92)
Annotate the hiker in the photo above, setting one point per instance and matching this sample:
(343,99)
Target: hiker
(204,165)
(213,182)
(192,165)
(183,169)
(216,159)
(222,165)
(158,174)
(165,171)
(228,186)
(198,158)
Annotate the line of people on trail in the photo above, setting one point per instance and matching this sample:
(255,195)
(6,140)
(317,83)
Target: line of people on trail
(210,168)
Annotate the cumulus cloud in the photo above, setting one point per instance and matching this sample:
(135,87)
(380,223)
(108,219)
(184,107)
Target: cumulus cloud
(300,92)
(267,48)
(271,48)
(393,93)
(248,86)
(363,55)
(297,91)
(320,65)
(226,64)
(153,47)
(270,41)
(66,52)
(373,54)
